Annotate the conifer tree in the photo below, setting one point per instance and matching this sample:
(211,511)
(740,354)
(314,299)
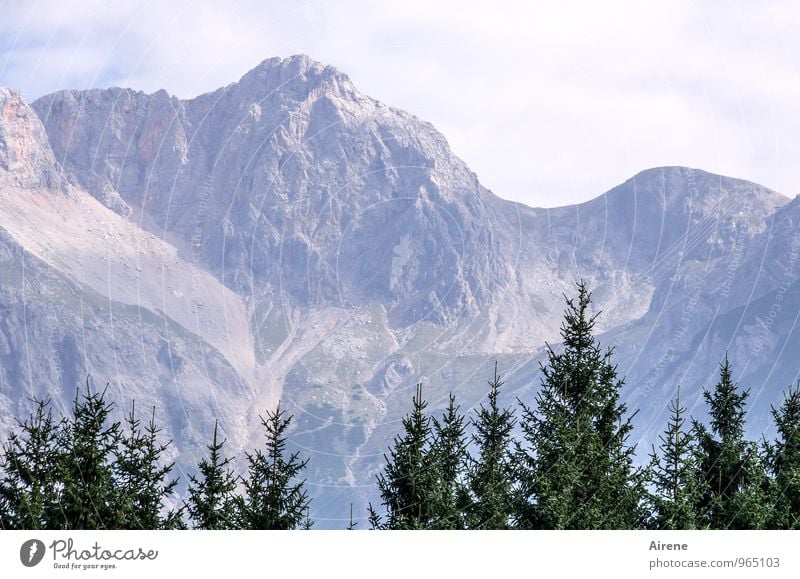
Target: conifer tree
(89,440)
(491,473)
(729,465)
(783,459)
(376,522)
(275,498)
(142,477)
(83,472)
(672,475)
(211,502)
(307,522)
(351,526)
(576,469)
(449,458)
(408,483)
(29,487)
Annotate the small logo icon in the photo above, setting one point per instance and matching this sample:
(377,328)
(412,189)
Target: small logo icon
(32,552)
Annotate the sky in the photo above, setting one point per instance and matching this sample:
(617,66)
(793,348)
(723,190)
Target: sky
(549,103)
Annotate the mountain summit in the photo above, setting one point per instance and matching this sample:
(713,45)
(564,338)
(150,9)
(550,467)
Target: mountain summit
(287,237)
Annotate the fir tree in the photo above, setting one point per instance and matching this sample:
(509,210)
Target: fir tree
(351,526)
(275,498)
(408,482)
(143,481)
(29,487)
(783,459)
(491,474)
(576,470)
(376,522)
(89,440)
(307,522)
(729,465)
(449,457)
(211,500)
(672,475)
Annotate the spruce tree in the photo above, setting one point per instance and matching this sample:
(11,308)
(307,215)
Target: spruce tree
(211,502)
(450,456)
(83,472)
(307,522)
(491,473)
(89,440)
(734,494)
(672,475)
(783,459)
(576,469)
(376,522)
(29,486)
(408,483)
(143,478)
(275,497)
(351,526)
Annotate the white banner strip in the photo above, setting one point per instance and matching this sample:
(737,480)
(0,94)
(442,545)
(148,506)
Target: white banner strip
(370,554)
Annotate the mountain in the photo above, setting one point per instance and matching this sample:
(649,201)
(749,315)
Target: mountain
(287,237)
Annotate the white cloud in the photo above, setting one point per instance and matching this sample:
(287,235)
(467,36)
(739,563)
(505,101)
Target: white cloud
(549,103)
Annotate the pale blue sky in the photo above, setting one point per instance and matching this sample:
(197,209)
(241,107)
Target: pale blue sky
(549,104)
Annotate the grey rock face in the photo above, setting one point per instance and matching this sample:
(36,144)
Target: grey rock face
(25,158)
(287,236)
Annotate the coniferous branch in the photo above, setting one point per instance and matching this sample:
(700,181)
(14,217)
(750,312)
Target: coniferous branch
(143,478)
(575,466)
(275,498)
(491,473)
(375,520)
(782,458)
(672,474)
(29,487)
(730,467)
(211,503)
(89,439)
(450,457)
(407,484)
(351,526)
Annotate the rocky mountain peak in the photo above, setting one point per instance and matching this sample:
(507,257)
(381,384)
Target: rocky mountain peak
(677,183)
(26,159)
(297,76)
(289,237)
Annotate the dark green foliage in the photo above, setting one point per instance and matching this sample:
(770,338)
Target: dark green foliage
(672,475)
(307,522)
(89,498)
(83,472)
(576,469)
(375,520)
(143,478)
(408,482)
(735,484)
(351,526)
(211,500)
(491,473)
(274,497)
(29,487)
(449,457)
(88,472)
(783,460)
